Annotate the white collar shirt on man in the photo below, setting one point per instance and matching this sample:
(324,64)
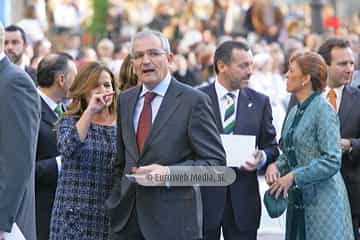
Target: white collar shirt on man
(221,92)
(51,103)
(338,91)
(160,91)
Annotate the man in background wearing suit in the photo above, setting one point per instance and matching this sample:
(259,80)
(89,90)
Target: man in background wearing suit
(19,126)
(345,100)
(238,110)
(56,73)
(161,124)
(15,45)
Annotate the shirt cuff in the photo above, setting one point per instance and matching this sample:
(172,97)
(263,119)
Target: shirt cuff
(58,163)
(263,160)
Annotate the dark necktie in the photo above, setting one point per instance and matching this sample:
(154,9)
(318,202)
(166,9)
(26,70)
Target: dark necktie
(144,124)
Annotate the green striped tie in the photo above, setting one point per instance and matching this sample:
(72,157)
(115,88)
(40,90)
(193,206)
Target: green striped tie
(59,110)
(229,118)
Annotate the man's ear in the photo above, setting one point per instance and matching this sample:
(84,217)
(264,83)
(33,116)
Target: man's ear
(221,66)
(170,58)
(60,79)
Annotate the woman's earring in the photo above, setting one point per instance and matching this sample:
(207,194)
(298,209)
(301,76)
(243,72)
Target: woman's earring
(303,84)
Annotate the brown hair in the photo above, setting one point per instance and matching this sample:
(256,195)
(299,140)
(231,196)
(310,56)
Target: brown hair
(85,81)
(127,74)
(329,44)
(313,64)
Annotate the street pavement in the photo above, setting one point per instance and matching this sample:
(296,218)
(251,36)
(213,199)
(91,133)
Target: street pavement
(270,229)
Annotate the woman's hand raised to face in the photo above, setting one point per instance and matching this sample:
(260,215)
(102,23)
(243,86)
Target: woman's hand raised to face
(99,101)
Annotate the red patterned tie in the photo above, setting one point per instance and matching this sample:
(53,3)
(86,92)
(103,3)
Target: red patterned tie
(145,123)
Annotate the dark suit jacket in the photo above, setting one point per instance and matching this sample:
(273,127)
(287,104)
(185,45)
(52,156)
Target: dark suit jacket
(46,171)
(19,126)
(183,134)
(253,117)
(32,73)
(349,115)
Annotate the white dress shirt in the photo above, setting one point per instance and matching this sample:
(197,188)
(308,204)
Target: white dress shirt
(160,91)
(338,92)
(222,99)
(51,103)
(221,95)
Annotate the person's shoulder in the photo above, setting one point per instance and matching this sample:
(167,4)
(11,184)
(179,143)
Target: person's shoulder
(254,94)
(354,91)
(207,88)
(322,106)
(190,93)
(17,75)
(129,92)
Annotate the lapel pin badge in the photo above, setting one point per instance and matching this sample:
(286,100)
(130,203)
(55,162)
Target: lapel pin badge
(249,105)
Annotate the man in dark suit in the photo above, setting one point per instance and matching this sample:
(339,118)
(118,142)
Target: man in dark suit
(19,126)
(15,45)
(238,206)
(345,100)
(174,128)
(56,73)
(340,59)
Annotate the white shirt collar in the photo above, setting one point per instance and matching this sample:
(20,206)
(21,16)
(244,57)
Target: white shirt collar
(221,91)
(2,55)
(337,90)
(51,103)
(160,89)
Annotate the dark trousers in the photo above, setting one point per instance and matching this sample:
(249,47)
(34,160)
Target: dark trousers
(130,231)
(356,226)
(229,227)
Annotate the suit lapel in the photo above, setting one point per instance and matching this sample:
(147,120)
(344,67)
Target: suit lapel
(168,106)
(134,150)
(47,115)
(242,112)
(216,108)
(345,105)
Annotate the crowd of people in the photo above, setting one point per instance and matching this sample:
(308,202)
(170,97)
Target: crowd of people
(82,127)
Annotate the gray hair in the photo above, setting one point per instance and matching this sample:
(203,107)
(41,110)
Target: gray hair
(2,36)
(151,33)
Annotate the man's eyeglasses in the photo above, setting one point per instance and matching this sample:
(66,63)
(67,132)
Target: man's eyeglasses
(151,53)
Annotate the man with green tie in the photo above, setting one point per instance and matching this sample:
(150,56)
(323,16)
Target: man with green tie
(56,73)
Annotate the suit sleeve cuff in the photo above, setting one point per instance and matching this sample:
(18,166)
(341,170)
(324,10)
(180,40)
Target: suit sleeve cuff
(263,160)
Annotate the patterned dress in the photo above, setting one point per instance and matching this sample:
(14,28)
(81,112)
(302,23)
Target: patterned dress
(316,144)
(84,183)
